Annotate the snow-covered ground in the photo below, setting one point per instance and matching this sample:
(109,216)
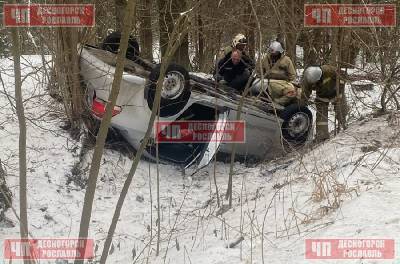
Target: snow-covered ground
(347,187)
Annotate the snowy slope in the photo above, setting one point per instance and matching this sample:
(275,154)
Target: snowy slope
(348,187)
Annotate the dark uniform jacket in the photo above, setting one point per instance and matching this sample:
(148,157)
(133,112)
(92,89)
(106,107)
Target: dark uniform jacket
(229,71)
(246,57)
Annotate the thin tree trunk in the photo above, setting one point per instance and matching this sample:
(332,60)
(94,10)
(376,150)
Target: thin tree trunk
(102,134)
(67,71)
(165,23)
(23,226)
(252,41)
(250,33)
(200,39)
(311,46)
(76,92)
(290,31)
(145,30)
(158,196)
(175,42)
(120,7)
(168,12)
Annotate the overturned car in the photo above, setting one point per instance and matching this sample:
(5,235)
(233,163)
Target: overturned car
(269,128)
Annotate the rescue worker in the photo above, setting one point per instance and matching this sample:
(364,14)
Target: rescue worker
(239,42)
(234,70)
(279,73)
(323,79)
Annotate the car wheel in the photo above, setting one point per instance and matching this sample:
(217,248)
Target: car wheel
(175,92)
(111,43)
(297,123)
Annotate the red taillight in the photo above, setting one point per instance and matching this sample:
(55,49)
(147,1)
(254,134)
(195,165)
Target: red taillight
(99,108)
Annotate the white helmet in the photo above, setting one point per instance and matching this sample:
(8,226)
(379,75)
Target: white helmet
(312,74)
(239,39)
(275,47)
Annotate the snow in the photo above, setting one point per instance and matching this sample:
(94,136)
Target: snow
(277,202)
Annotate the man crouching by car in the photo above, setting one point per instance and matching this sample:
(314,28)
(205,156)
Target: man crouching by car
(279,73)
(234,70)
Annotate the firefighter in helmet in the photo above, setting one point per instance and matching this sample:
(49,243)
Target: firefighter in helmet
(279,73)
(324,81)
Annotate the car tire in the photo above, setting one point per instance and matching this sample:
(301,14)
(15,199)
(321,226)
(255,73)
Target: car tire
(175,91)
(297,123)
(111,43)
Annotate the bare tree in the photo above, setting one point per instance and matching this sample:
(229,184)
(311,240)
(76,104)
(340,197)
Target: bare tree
(145,29)
(120,7)
(180,29)
(67,72)
(102,134)
(22,137)
(169,12)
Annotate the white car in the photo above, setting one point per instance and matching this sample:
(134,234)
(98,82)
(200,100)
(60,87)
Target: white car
(187,96)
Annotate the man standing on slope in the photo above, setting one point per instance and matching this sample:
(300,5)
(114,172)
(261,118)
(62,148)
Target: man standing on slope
(323,79)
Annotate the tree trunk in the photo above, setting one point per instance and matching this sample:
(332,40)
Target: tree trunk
(200,41)
(350,49)
(145,29)
(120,7)
(250,33)
(102,134)
(174,43)
(67,71)
(311,47)
(291,40)
(290,31)
(317,48)
(168,12)
(23,227)
(181,55)
(76,92)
